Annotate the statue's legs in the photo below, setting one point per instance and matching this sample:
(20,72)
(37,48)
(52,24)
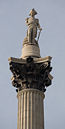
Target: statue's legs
(32,33)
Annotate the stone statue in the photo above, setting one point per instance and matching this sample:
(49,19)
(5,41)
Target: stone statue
(33,26)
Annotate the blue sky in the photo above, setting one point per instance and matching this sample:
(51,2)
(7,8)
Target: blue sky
(51,14)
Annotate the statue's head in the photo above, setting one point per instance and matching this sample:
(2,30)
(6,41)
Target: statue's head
(32,12)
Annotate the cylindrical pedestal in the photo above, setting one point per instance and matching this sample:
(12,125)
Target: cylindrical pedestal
(30,109)
(30,50)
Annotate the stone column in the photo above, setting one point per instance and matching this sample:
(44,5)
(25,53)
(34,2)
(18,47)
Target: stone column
(30,109)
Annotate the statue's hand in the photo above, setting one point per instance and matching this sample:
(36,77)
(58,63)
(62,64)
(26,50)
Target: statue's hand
(26,20)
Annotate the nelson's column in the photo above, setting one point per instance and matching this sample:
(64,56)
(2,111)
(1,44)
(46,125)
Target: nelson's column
(31,77)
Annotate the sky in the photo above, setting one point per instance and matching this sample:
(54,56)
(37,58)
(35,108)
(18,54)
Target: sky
(51,14)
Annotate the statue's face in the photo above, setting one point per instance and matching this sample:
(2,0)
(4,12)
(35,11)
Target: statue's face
(32,14)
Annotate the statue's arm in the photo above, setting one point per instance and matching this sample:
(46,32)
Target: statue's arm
(38,25)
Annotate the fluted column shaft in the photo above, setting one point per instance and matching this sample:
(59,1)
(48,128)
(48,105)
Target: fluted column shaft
(30,109)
